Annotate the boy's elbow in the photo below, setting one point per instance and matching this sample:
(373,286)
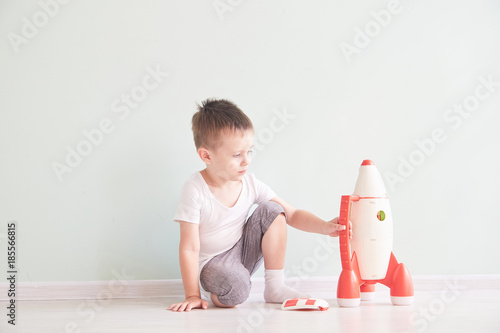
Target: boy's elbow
(192,248)
(290,217)
(189,244)
(287,208)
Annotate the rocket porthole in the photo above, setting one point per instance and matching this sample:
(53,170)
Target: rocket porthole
(381,215)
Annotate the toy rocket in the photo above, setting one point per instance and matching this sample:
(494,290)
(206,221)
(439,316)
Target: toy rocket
(372,259)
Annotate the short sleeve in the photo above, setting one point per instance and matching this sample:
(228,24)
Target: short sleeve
(189,206)
(263,191)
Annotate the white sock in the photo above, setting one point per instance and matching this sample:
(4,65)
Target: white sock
(275,291)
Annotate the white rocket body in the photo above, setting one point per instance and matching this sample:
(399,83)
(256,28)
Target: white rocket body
(372,227)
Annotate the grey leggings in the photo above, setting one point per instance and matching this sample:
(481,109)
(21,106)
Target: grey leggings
(227,275)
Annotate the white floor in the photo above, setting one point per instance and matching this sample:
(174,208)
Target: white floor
(446,309)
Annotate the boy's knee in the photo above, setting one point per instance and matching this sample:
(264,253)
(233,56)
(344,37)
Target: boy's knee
(231,285)
(238,287)
(270,208)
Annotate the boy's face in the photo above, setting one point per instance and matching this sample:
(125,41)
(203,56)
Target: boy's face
(233,157)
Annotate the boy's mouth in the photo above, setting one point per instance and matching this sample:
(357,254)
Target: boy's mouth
(242,172)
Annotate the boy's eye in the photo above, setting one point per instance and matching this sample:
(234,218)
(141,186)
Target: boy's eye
(239,154)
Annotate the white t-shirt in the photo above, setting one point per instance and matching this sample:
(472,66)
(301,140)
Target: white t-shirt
(220,226)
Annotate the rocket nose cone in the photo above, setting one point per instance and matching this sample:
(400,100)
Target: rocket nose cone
(369,183)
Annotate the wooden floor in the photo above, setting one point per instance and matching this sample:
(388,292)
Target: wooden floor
(445,309)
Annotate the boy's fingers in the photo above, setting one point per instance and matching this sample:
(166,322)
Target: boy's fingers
(187,306)
(177,307)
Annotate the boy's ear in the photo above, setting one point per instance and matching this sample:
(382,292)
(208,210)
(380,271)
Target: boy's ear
(204,155)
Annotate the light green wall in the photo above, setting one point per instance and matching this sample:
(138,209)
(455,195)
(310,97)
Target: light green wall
(113,211)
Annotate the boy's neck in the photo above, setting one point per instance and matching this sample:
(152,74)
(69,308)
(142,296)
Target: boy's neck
(213,180)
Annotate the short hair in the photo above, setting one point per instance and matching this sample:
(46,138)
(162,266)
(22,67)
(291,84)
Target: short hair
(213,117)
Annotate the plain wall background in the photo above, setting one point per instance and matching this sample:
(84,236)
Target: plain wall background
(114,211)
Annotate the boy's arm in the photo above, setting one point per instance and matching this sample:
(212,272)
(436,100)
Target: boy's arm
(189,249)
(306,221)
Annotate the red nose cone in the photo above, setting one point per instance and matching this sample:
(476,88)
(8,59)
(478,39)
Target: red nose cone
(367,162)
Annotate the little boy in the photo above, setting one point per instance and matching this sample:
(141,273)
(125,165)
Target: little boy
(220,248)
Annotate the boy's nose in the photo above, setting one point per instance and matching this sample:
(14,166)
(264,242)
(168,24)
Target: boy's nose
(246,160)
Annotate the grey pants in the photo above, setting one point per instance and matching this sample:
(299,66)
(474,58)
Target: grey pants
(227,275)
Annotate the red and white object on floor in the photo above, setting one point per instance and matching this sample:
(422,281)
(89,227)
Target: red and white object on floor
(367,258)
(305,304)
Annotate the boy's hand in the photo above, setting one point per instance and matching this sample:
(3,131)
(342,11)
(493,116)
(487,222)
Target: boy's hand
(333,228)
(193,302)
